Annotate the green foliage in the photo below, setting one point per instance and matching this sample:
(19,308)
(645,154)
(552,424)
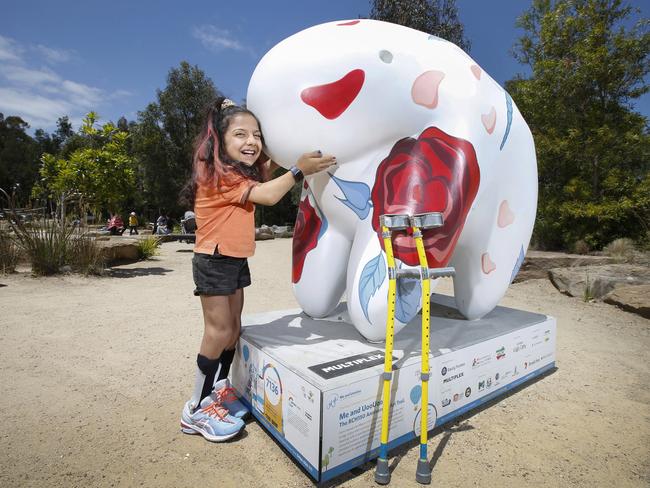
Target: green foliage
(19,157)
(593,150)
(164,135)
(148,247)
(437,17)
(101,172)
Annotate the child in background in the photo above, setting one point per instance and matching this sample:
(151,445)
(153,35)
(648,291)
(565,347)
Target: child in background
(230,175)
(133,224)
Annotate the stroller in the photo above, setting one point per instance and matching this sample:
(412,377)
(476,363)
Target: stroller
(188,226)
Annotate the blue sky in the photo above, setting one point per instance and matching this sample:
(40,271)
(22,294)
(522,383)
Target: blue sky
(66,58)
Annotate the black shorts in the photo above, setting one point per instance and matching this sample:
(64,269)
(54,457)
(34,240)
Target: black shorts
(219,275)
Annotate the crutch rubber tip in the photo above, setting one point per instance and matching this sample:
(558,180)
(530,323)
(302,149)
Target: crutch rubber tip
(382,474)
(423,473)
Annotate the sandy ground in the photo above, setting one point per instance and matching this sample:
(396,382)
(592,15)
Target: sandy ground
(94,372)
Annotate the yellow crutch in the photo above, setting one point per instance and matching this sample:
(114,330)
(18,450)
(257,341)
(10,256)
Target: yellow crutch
(419,222)
(389,223)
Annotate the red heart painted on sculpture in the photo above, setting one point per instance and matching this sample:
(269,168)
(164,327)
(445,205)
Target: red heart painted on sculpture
(332,99)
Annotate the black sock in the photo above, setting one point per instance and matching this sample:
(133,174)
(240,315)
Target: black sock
(210,368)
(226,360)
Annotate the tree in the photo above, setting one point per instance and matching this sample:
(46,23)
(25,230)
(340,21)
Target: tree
(437,17)
(165,133)
(102,173)
(19,155)
(593,149)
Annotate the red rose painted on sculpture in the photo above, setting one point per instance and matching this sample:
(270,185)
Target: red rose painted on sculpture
(305,236)
(435,173)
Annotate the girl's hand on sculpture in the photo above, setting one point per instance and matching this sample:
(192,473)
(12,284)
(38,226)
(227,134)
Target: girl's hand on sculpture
(313,162)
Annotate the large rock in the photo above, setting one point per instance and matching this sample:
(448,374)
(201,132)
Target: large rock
(538,263)
(633,298)
(264,233)
(119,250)
(282,231)
(597,281)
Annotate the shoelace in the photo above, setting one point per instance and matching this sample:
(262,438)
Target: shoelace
(215,409)
(226,394)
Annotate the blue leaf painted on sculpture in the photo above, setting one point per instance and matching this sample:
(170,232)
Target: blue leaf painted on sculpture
(509,120)
(357,196)
(407,301)
(520,261)
(372,276)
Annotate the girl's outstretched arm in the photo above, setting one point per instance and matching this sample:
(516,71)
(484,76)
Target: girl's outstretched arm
(270,192)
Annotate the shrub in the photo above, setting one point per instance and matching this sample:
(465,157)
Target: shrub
(86,256)
(8,253)
(148,247)
(581,247)
(622,249)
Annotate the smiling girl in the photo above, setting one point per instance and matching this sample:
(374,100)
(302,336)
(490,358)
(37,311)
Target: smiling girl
(230,175)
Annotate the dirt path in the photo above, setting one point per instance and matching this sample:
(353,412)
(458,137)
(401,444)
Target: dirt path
(96,370)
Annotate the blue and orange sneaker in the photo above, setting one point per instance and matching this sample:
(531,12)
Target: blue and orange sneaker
(225,394)
(211,420)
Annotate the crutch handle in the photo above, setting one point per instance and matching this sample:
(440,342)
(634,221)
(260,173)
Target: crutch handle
(429,220)
(395,221)
(431,273)
(440,272)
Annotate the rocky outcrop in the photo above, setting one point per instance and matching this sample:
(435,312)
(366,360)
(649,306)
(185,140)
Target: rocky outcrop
(633,298)
(595,282)
(538,263)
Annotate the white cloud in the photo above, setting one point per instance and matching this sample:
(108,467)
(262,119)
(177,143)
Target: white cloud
(40,95)
(37,110)
(9,49)
(29,77)
(53,55)
(216,39)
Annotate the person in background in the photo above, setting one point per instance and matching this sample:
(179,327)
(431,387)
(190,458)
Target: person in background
(133,224)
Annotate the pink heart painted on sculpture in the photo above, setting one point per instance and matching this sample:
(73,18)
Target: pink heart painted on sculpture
(425,88)
(486,263)
(506,217)
(476,71)
(489,120)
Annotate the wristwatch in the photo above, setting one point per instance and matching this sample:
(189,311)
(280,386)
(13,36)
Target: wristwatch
(297,174)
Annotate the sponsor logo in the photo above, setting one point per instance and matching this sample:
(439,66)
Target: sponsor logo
(456,397)
(331,403)
(452,377)
(447,368)
(477,362)
(333,369)
(468,392)
(520,346)
(445,402)
(501,353)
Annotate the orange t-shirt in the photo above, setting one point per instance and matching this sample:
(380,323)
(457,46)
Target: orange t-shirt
(225,217)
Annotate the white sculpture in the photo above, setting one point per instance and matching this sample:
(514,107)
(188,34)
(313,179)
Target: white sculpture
(416,126)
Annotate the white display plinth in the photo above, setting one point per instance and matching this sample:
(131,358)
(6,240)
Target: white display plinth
(315,384)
